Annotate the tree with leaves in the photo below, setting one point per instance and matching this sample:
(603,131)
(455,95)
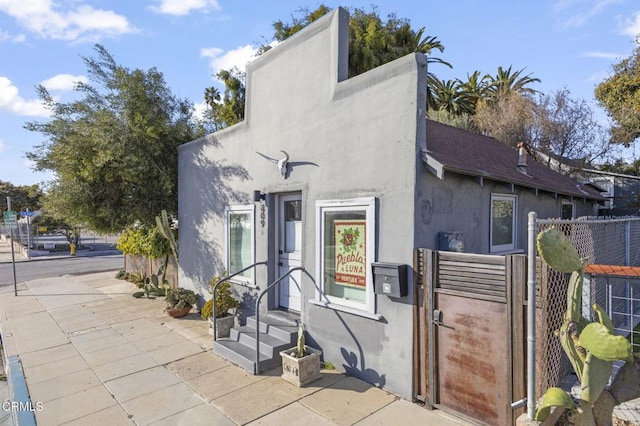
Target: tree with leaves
(508,118)
(372,42)
(113,151)
(619,95)
(22,197)
(567,130)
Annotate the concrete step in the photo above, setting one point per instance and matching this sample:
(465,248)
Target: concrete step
(278,332)
(277,325)
(243,355)
(269,345)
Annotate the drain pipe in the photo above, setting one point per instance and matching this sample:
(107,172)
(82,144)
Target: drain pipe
(531,316)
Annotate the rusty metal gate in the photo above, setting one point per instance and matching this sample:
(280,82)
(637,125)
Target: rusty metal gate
(470,337)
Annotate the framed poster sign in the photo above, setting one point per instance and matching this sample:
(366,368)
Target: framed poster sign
(350,252)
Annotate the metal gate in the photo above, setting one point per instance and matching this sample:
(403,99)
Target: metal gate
(470,334)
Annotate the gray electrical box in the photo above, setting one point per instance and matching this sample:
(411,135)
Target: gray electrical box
(450,241)
(390,279)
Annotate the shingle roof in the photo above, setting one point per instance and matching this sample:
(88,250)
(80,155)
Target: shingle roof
(459,151)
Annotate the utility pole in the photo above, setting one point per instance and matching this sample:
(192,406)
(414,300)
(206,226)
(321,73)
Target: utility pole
(13,254)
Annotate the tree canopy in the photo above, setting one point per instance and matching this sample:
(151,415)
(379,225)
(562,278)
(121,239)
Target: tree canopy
(372,42)
(113,151)
(619,95)
(22,197)
(504,105)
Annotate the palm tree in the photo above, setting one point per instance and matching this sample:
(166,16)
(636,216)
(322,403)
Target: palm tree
(211,97)
(448,96)
(506,81)
(476,88)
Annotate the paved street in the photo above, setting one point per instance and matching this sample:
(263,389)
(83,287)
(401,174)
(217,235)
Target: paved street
(38,268)
(102,258)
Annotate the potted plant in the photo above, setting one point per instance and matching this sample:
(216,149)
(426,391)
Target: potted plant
(301,364)
(225,302)
(179,301)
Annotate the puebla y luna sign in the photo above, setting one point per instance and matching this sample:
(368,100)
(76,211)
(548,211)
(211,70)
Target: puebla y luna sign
(350,255)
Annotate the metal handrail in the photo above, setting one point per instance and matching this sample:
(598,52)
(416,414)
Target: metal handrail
(262,293)
(225,279)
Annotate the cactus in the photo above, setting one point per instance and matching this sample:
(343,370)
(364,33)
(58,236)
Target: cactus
(300,345)
(591,347)
(164,227)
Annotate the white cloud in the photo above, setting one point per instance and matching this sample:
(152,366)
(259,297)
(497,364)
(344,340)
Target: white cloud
(75,23)
(579,12)
(221,60)
(630,26)
(200,109)
(10,100)
(2,147)
(184,7)
(603,55)
(63,81)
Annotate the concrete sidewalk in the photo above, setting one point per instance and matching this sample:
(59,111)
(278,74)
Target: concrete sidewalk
(92,354)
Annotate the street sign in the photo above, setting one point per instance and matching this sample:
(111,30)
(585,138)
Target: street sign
(28,214)
(11,220)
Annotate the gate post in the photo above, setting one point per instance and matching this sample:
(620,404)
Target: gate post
(531,316)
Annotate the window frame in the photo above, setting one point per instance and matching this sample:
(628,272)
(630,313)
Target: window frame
(501,248)
(240,209)
(368,206)
(573,209)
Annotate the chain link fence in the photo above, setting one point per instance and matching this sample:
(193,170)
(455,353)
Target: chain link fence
(604,242)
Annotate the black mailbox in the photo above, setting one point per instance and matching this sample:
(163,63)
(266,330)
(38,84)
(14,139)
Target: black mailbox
(390,279)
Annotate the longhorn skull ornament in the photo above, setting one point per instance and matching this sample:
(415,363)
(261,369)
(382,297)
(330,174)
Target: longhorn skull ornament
(281,163)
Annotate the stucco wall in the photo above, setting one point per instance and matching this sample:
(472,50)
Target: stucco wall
(461,203)
(361,136)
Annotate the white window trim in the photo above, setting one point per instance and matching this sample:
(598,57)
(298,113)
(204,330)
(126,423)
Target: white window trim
(246,208)
(368,205)
(504,247)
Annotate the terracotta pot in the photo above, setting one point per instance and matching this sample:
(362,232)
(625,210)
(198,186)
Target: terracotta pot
(177,313)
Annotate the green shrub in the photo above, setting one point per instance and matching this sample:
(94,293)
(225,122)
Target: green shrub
(224,300)
(178,298)
(143,241)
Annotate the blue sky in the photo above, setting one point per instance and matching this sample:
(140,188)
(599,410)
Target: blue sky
(566,43)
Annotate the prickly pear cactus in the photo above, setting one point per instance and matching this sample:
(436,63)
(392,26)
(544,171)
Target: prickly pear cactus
(591,347)
(556,249)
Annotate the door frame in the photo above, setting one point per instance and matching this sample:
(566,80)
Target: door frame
(279,240)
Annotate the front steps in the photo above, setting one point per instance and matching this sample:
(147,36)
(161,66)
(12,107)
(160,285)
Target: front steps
(278,331)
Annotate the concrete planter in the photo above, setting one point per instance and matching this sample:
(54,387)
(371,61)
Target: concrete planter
(223,326)
(301,371)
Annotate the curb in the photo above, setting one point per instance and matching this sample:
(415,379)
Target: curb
(22,409)
(65,256)
(20,405)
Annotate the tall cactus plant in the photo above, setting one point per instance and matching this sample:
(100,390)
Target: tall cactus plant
(164,227)
(591,346)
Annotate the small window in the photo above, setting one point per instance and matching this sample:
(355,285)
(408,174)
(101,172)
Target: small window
(240,240)
(568,208)
(346,239)
(503,222)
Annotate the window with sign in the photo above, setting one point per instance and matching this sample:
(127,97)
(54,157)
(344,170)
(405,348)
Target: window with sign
(240,240)
(346,241)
